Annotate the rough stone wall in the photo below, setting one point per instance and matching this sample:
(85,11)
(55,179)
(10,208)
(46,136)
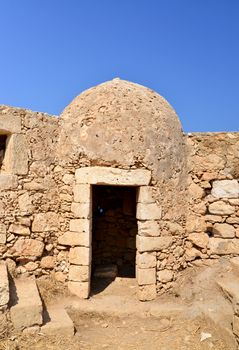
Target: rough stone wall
(213,217)
(29,198)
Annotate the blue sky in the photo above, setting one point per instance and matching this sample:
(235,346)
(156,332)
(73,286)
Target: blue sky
(186,50)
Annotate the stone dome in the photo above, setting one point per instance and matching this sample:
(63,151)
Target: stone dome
(121,123)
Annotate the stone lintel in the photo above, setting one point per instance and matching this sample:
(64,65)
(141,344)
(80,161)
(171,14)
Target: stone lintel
(112,176)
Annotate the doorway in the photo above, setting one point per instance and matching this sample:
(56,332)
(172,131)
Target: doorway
(114,230)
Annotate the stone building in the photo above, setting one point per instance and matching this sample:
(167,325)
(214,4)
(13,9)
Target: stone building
(114,181)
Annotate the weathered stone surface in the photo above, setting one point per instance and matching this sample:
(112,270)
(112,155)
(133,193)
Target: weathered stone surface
(147,292)
(150,244)
(192,253)
(28,247)
(44,222)
(25,204)
(4,285)
(27,310)
(144,195)
(233,220)
(221,208)
(195,191)
(79,273)
(8,182)
(48,262)
(146,260)
(80,289)
(75,239)
(81,210)
(196,224)
(80,225)
(148,228)
(222,246)
(112,176)
(80,256)
(16,156)
(10,123)
(146,276)
(82,193)
(200,239)
(165,276)
(60,323)
(235,325)
(225,189)
(31,266)
(148,211)
(213,218)
(223,230)
(3,234)
(19,230)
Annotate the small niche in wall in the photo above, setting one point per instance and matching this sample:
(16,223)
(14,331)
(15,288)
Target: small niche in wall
(3,145)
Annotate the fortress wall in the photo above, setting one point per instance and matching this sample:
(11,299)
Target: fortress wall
(213,190)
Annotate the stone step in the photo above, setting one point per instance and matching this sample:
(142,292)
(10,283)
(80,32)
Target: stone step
(4,286)
(57,322)
(26,310)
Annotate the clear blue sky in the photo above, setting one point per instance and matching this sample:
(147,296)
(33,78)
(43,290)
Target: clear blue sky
(186,50)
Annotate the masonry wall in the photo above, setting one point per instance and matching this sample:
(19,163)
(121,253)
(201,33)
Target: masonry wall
(29,196)
(213,188)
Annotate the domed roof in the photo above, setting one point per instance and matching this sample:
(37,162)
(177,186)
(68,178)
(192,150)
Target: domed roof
(123,123)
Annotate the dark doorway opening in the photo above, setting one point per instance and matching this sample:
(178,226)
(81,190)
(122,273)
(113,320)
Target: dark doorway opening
(114,229)
(3,145)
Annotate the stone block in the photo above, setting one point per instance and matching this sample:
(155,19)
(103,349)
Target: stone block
(81,210)
(4,285)
(79,273)
(27,310)
(148,211)
(221,208)
(82,193)
(223,246)
(25,204)
(80,256)
(60,323)
(225,189)
(146,260)
(16,155)
(44,222)
(165,276)
(112,176)
(19,230)
(196,224)
(28,248)
(3,234)
(48,262)
(223,231)
(80,225)
(148,228)
(147,292)
(151,244)
(80,289)
(146,276)
(8,182)
(200,239)
(195,191)
(144,195)
(213,218)
(75,239)
(10,123)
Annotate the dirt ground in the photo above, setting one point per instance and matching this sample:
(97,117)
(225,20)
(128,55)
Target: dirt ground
(114,319)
